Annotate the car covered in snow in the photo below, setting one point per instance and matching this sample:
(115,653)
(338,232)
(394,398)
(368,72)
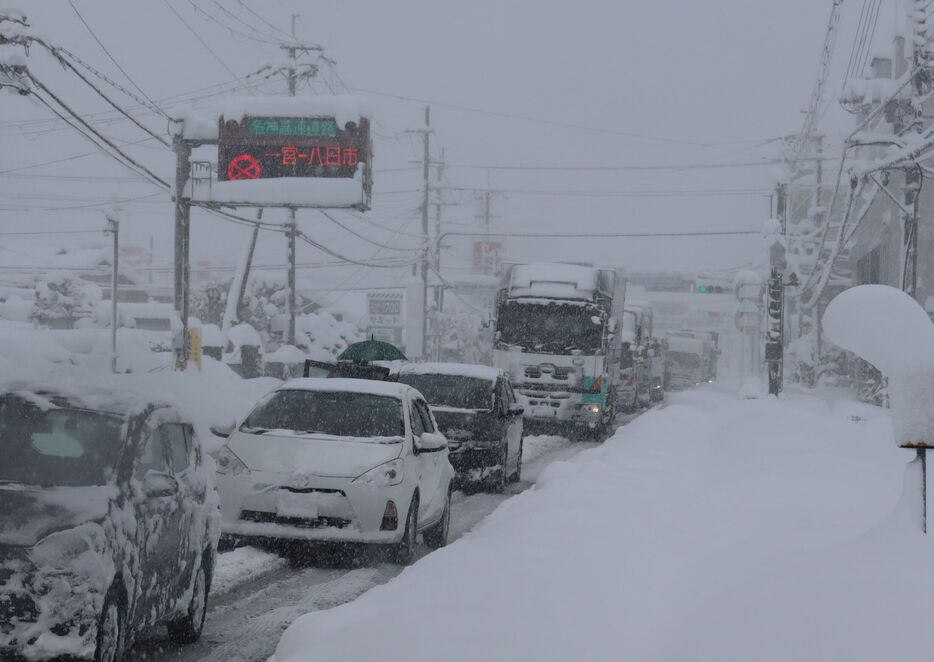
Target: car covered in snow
(338,461)
(477,411)
(108,522)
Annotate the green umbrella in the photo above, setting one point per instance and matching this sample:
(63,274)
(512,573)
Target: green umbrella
(371,350)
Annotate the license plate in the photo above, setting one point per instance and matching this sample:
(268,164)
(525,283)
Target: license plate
(544,412)
(297,504)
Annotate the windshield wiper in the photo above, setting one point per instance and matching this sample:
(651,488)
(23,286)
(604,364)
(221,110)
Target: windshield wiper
(249,430)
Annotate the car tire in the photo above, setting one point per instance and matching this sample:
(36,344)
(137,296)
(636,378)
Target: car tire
(517,475)
(436,537)
(497,482)
(404,550)
(111,625)
(187,630)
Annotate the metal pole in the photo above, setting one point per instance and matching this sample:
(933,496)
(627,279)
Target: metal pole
(291,277)
(425,203)
(182,270)
(923,457)
(113,227)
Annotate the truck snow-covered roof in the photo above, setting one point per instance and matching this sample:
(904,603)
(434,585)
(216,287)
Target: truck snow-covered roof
(686,345)
(554,281)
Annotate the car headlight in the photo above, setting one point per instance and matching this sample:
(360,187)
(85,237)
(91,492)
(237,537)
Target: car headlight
(59,550)
(229,464)
(384,475)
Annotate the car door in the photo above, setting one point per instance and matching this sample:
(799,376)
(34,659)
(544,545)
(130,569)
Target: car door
(190,499)
(157,530)
(430,471)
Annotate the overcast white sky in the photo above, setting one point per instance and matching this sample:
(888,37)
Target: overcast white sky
(657,82)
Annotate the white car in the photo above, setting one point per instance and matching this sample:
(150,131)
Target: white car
(338,460)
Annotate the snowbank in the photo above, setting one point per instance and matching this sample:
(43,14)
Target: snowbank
(712,529)
(889,329)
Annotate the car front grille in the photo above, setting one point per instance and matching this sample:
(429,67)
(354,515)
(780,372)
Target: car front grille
(300,522)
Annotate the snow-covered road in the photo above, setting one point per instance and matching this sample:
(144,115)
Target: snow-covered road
(257,594)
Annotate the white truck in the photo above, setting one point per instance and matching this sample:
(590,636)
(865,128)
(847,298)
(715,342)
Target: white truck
(557,336)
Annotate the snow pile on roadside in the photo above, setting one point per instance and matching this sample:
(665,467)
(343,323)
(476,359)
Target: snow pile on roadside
(711,529)
(242,565)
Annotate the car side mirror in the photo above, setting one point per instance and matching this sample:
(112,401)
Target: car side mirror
(223,430)
(158,484)
(515,409)
(431,442)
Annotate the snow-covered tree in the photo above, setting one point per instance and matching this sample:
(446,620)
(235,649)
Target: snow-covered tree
(62,298)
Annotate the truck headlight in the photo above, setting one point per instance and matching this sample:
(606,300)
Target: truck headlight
(390,473)
(229,464)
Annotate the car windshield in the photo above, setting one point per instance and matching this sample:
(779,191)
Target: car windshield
(58,445)
(550,328)
(452,390)
(337,413)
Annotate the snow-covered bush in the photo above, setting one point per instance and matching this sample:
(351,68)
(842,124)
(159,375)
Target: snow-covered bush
(62,298)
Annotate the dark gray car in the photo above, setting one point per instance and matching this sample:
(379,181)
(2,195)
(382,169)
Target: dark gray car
(108,523)
(476,409)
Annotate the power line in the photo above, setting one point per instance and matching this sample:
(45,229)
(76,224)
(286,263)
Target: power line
(535,120)
(614,194)
(127,160)
(634,167)
(249,9)
(363,237)
(602,235)
(203,42)
(107,52)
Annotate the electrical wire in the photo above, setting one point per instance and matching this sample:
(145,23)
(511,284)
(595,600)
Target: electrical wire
(634,167)
(203,42)
(364,237)
(127,161)
(603,235)
(386,265)
(249,9)
(107,52)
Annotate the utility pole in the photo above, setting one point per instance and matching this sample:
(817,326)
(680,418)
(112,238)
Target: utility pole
(426,201)
(113,227)
(292,228)
(775,308)
(182,239)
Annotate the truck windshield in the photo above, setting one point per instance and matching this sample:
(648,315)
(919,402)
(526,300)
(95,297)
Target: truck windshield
(684,360)
(550,328)
(58,446)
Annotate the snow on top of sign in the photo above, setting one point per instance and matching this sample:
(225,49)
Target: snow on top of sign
(342,108)
(284,191)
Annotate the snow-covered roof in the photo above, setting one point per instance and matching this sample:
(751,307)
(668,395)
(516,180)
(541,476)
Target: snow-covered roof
(687,345)
(367,386)
(456,369)
(553,280)
(286,354)
(98,394)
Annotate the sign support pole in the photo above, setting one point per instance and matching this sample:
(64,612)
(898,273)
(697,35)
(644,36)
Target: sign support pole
(923,458)
(291,275)
(182,238)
